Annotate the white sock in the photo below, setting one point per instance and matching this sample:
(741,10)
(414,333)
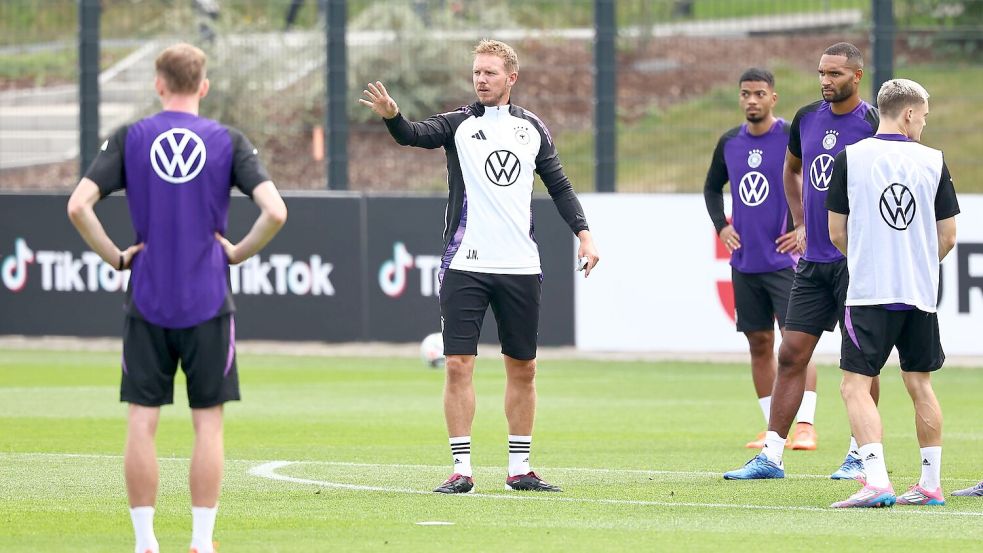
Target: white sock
(461,454)
(774,447)
(807,409)
(519,447)
(202,528)
(875,470)
(854,450)
(931,468)
(143,528)
(765,403)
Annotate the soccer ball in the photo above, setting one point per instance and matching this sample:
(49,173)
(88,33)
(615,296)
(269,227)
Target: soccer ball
(432,350)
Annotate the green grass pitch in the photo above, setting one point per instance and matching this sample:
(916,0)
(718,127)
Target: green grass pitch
(639,448)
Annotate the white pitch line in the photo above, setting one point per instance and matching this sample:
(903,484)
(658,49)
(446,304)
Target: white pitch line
(268,470)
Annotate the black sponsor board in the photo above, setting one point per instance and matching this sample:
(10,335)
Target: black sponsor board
(308,282)
(322,278)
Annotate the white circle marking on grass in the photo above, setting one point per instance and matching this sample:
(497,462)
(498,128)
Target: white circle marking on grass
(269,470)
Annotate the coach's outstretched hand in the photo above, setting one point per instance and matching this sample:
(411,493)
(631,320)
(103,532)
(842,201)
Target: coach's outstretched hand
(379,100)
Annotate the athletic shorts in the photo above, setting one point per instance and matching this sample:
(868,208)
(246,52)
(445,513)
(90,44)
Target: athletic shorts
(761,298)
(818,293)
(871,332)
(206,353)
(514,299)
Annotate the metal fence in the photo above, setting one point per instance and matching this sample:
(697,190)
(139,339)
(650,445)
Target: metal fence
(677,62)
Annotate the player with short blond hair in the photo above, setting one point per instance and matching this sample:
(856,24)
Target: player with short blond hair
(178,170)
(892,208)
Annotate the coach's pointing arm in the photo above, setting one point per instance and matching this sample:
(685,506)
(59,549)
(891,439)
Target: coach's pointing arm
(432,133)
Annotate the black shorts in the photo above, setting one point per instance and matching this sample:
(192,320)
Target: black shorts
(818,293)
(464,298)
(871,332)
(761,298)
(206,353)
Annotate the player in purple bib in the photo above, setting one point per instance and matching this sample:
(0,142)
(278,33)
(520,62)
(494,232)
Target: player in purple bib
(819,131)
(178,170)
(761,244)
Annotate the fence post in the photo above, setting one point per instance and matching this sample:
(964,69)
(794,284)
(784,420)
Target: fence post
(605,95)
(88,44)
(335,94)
(882,38)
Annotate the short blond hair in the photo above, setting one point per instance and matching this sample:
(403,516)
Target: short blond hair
(182,66)
(896,95)
(500,49)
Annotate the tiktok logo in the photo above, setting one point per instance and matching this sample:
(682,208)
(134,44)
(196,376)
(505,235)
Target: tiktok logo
(14,268)
(394,273)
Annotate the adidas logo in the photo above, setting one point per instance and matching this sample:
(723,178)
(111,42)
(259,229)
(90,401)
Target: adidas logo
(871,457)
(457,461)
(926,463)
(480,135)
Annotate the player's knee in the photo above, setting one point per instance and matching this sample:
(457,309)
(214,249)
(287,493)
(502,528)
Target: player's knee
(458,370)
(852,388)
(761,343)
(522,372)
(790,359)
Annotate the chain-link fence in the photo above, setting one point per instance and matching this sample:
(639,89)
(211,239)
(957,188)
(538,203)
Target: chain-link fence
(677,66)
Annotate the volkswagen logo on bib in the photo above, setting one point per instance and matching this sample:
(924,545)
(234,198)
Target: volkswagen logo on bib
(897,203)
(502,168)
(753,189)
(820,172)
(177,155)
(897,206)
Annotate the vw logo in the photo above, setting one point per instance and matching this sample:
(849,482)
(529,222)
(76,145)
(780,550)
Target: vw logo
(897,206)
(502,168)
(753,188)
(821,171)
(177,155)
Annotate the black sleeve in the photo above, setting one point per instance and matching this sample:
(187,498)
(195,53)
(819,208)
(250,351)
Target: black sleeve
(837,199)
(713,188)
(873,116)
(248,171)
(946,204)
(107,168)
(794,135)
(557,184)
(434,132)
